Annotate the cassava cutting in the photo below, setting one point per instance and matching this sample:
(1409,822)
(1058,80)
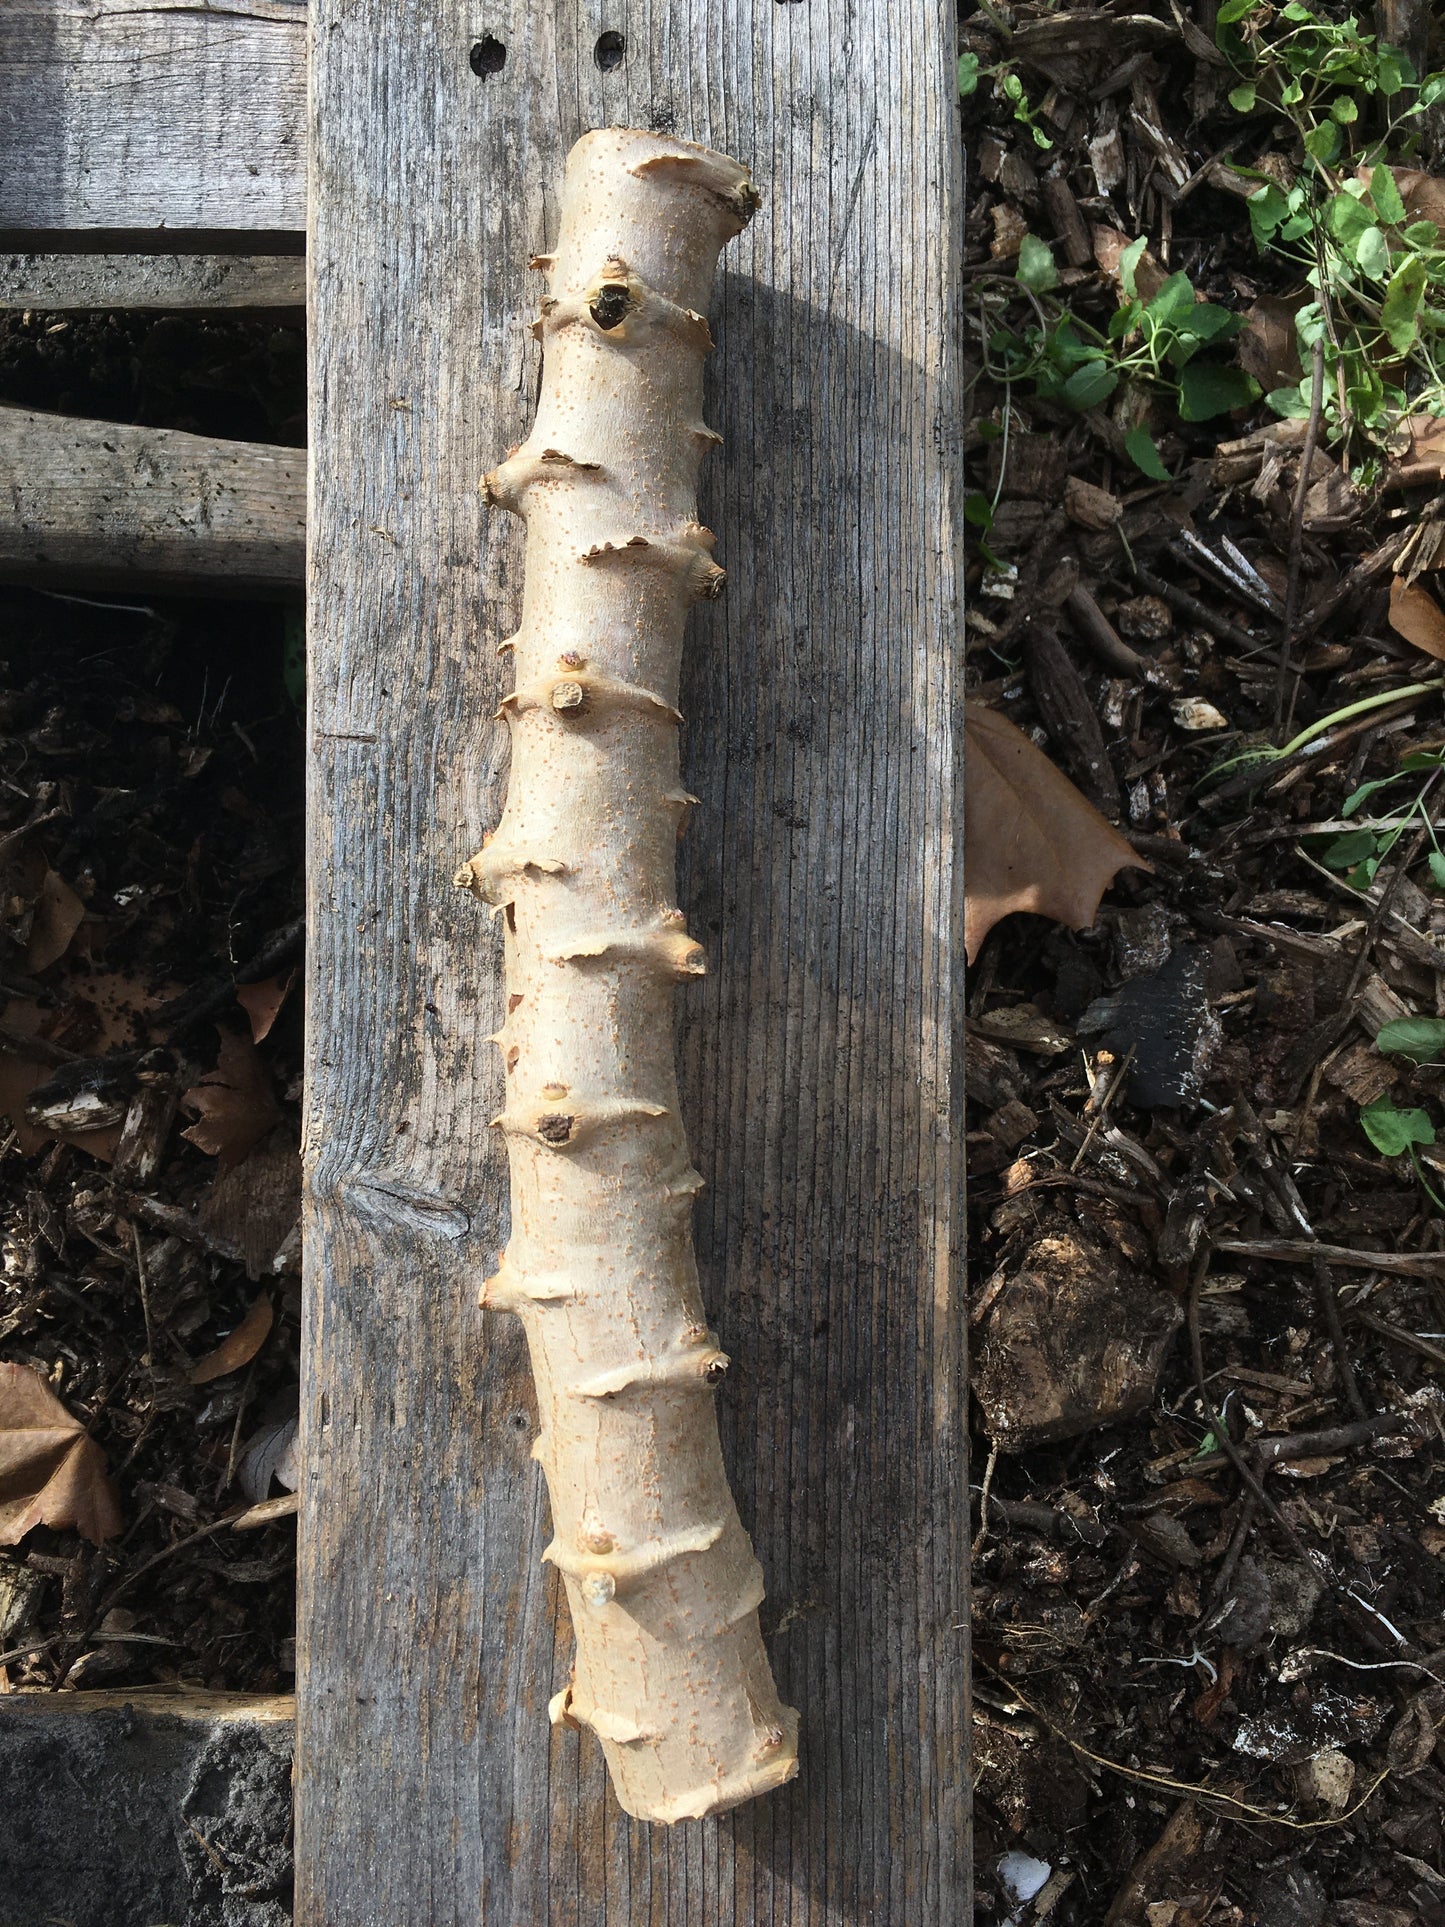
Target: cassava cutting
(663,1586)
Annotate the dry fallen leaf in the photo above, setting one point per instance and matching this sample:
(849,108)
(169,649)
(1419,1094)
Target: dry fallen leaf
(1422,462)
(1109,245)
(238,1347)
(270,1453)
(234,1104)
(1269,349)
(262,1002)
(51,1473)
(1033,842)
(1418,617)
(58,914)
(1423,195)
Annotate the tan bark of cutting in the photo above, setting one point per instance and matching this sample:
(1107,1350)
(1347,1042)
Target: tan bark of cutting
(660,1576)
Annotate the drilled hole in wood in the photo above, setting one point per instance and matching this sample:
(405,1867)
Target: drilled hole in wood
(609,51)
(487,57)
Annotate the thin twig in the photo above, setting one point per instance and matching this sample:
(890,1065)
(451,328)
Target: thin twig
(1220,1430)
(1287,692)
(1330,1308)
(1193,1791)
(988,1471)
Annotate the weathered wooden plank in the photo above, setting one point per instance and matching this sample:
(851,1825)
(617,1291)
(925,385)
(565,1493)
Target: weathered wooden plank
(145,114)
(144,1806)
(81,283)
(821,1070)
(108,506)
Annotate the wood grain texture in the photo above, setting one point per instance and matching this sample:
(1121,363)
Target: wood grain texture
(100,283)
(145,114)
(821,1058)
(108,506)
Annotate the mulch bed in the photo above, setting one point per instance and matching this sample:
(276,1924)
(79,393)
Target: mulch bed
(1209,1605)
(150,831)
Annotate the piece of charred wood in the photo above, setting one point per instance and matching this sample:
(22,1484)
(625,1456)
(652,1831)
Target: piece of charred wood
(1165,1019)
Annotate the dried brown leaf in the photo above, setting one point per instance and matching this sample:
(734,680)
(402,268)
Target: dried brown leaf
(270,1453)
(1269,348)
(51,1473)
(234,1104)
(1423,195)
(1418,617)
(238,1347)
(58,914)
(262,1002)
(1033,842)
(1109,244)
(1423,461)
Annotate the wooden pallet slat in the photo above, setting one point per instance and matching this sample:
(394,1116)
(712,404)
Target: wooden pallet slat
(107,506)
(149,114)
(103,283)
(822,1061)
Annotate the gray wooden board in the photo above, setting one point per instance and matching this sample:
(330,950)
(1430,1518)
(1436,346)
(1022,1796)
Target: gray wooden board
(145,114)
(822,1059)
(78,283)
(102,505)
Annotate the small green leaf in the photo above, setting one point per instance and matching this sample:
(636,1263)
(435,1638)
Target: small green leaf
(1210,388)
(1288,403)
(1345,109)
(1174,299)
(1353,801)
(1268,211)
(1322,143)
(1391,1131)
(1090,385)
(1233,10)
(1343,852)
(1241,99)
(1036,270)
(1399,316)
(1372,253)
(1012,86)
(1142,452)
(1386,195)
(1390,72)
(1346,219)
(1422,1038)
(978,512)
(1206,321)
(1208,1444)
(1129,262)
(967,74)
(1437,869)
